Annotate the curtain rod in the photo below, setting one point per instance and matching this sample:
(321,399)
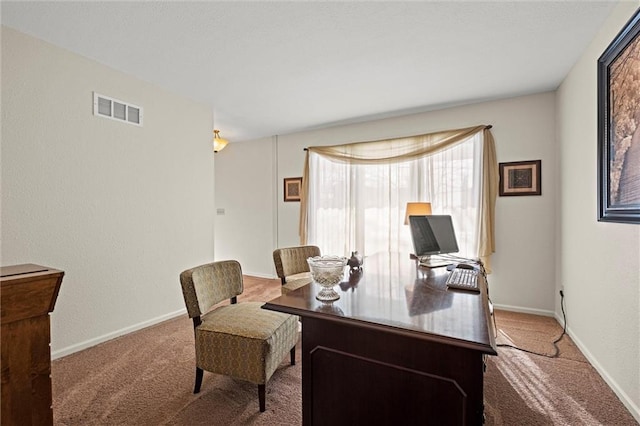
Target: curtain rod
(487,127)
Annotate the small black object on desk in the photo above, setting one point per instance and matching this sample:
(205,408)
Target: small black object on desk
(355,262)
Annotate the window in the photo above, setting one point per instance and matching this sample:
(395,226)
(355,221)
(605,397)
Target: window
(362,206)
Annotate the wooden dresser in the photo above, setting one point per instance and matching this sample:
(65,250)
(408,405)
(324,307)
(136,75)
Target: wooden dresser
(27,295)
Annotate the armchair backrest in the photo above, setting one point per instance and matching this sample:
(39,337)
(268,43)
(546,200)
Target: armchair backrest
(293,260)
(206,285)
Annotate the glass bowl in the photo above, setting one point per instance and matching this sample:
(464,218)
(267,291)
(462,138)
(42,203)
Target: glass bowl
(327,271)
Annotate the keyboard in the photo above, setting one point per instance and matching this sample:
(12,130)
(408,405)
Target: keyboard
(463,279)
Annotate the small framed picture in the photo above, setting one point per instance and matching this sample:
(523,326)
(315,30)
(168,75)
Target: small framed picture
(292,187)
(520,178)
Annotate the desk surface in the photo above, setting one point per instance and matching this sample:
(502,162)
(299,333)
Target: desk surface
(394,292)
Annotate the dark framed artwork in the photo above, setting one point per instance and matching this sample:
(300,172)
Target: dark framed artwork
(292,187)
(619,127)
(521,178)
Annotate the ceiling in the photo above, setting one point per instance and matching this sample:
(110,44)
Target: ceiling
(269,68)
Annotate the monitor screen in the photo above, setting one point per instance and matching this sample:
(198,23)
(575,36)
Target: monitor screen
(433,234)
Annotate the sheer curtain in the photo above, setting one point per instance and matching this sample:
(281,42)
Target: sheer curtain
(360,204)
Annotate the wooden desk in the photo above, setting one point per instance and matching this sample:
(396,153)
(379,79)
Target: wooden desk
(28,294)
(396,348)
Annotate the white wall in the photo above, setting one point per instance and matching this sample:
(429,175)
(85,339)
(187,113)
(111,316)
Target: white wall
(543,243)
(245,190)
(598,262)
(523,128)
(121,209)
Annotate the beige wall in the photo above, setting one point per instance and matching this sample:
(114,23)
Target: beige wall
(598,262)
(523,128)
(543,243)
(121,209)
(246,191)
(124,209)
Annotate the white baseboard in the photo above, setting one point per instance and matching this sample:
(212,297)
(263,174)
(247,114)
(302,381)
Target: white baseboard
(105,337)
(525,310)
(259,275)
(626,400)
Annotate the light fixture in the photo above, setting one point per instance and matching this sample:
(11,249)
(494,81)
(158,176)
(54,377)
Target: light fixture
(218,142)
(416,209)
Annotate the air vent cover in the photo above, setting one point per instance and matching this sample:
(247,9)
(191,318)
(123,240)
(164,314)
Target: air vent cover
(115,109)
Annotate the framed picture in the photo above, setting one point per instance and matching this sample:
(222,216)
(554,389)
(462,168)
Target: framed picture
(521,178)
(292,187)
(619,127)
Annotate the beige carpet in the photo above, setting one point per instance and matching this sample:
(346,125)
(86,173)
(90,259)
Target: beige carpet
(526,389)
(146,378)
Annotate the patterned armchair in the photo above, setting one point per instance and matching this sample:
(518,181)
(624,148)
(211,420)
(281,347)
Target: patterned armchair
(240,340)
(292,267)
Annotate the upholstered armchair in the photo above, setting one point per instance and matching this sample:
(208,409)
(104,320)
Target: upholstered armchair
(292,267)
(240,340)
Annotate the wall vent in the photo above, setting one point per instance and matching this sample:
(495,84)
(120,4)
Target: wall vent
(115,109)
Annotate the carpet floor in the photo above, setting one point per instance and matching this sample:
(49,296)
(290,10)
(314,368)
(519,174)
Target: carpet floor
(146,378)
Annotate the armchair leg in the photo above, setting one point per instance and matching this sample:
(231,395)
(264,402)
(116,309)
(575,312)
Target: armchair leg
(293,355)
(261,397)
(199,373)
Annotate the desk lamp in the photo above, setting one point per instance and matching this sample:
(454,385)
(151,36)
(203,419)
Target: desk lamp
(420,209)
(416,209)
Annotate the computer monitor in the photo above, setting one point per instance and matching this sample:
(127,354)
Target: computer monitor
(433,234)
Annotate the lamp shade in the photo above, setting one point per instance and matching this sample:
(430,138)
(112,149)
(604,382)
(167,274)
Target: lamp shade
(218,142)
(416,209)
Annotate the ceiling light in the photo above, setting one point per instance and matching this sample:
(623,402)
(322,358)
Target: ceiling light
(218,142)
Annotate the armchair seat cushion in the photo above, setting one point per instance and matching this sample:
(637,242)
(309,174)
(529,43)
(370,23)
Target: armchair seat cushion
(256,339)
(296,281)
(292,267)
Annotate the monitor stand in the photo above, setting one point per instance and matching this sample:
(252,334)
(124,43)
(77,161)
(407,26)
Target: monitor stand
(434,262)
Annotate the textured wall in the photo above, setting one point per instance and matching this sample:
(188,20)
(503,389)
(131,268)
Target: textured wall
(121,209)
(598,262)
(246,191)
(523,129)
